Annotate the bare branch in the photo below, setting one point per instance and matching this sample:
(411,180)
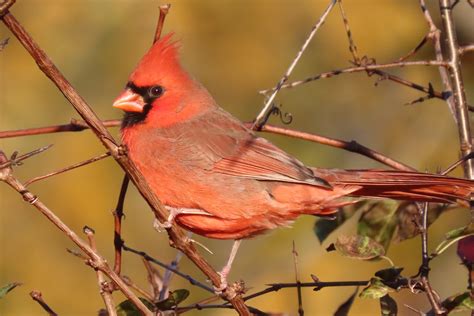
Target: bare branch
(161,21)
(459,95)
(351,146)
(95,259)
(74,166)
(369,67)
(466,49)
(118,215)
(104,286)
(262,117)
(38,297)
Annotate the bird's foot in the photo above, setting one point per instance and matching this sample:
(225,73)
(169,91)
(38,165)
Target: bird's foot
(220,289)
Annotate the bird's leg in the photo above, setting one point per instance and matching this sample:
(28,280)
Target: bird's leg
(226,269)
(174,211)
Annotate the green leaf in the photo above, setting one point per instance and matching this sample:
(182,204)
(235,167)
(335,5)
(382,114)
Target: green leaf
(453,236)
(389,275)
(7,288)
(345,307)
(323,227)
(359,247)
(408,217)
(173,299)
(388,306)
(457,303)
(127,308)
(379,221)
(376,289)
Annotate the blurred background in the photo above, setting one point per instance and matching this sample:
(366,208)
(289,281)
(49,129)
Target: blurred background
(235,48)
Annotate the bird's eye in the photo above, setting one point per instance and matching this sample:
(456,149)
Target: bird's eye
(155,91)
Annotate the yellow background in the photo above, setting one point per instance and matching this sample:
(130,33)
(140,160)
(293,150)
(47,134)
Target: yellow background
(235,48)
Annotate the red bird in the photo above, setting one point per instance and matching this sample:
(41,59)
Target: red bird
(219,179)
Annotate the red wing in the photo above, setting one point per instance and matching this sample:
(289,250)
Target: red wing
(258,159)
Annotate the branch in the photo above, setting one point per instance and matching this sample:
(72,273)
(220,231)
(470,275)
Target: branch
(466,49)
(351,146)
(104,286)
(95,259)
(170,268)
(38,297)
(262,117)
(177,237)
(118,215)
(459,95)
(161,21)
(74,166)
(368,67)
(73,126)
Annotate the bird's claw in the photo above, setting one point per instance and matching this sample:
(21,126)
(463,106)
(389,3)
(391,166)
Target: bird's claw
(220,289)
(161,226)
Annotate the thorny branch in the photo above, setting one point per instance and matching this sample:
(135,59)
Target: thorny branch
(177,238)
(262,117)
(95,260)
(104,287)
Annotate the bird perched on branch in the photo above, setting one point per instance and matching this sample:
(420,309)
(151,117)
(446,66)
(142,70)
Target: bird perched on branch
(220,180)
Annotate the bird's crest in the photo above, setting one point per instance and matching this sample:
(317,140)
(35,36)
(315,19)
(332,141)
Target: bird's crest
(161,60)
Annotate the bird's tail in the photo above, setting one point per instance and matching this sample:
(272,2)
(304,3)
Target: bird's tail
(402,185)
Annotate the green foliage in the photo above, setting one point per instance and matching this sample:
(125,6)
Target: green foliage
(376,289)
(359,247)
(453,236)
(7,288)
(323,227)
(127,308)
(388,306)
(173,299)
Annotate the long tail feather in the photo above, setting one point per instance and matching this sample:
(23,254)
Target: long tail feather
(402,185)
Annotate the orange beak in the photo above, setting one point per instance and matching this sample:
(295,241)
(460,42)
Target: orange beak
(129,101)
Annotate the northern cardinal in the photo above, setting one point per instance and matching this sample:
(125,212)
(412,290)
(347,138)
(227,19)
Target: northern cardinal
(219,179)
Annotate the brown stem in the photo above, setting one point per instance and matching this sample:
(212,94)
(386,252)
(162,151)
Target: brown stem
(161,21)
(351,146)
(459,95)
(104,286)
(74,126)
(118,215)
(466,48)
(74,166)
(177,237)
(262,117)
(297,279)
(38,297)
(96,260)
(337,72)
(154,279)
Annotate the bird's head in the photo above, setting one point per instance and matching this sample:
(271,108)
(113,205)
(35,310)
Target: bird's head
(159,91)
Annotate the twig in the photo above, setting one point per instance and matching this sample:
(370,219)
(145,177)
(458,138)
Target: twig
(132,284)
(161,21)
(177,237)
(4,43)
(465,49)
(104,286)
(297,279)
(154,279)
(457,163)
(435,35)
(169,275)
(95,259)
(351,146)
(164,265)
(14,160)
(352,46)
(274,287)
(38,297)
(369,67)
(459,95)
(118,215)
(77,165)
(262,117)
(73,126)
